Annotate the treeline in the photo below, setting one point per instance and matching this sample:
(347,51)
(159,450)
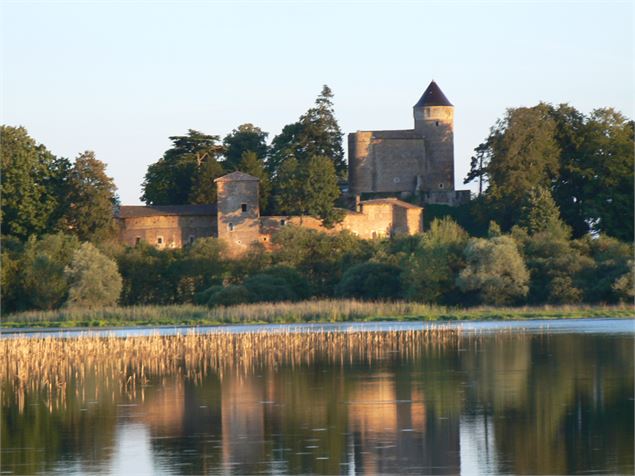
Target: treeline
(584,161)
(534,264)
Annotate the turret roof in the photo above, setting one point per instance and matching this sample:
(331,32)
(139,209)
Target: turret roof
(433,96)
(236,177)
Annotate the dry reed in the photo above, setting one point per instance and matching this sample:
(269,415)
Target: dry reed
(124,365)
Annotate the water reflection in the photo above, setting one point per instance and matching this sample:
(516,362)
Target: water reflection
(494,404)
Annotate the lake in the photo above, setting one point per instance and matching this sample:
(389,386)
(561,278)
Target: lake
(539,397)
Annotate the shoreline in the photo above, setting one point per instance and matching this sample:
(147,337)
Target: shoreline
(304,312)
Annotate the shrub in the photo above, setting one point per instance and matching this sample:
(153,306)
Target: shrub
(229,296)
(94,279)
(371,281)
(495,271)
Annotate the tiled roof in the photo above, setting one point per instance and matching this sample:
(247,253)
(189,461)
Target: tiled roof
(236,177)
(134,211)
(433,96)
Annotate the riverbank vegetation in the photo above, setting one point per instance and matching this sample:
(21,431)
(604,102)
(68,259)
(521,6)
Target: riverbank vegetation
(554,226)
(315,311)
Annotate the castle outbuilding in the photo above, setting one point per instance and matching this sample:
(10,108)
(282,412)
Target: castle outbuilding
(236,219)
(417,161)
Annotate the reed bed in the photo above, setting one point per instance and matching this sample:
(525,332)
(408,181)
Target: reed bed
(327,310)
(53,366)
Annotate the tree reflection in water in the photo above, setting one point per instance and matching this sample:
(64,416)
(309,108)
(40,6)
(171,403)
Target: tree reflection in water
(329,403)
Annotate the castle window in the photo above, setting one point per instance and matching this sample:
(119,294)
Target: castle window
(440,185)
(190,240)
(283,222)
(231,227)
(243,207)
(159,240)
(137,240)
(437,123)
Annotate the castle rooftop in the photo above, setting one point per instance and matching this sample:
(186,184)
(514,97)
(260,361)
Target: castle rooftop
(433,96)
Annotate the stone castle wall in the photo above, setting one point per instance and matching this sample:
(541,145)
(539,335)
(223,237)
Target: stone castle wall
(238,213)
(166,231)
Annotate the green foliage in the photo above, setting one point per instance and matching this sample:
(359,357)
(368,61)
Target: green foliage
(320,257)
(43,284)
(539,213)
(246,138)
(229,296)
(93,278)
(431,272)
(316,133)
(370,281)
(30,175)
(90,200)
(308,189)
(555,266)
(586,162)
(186,172)
(520,154)
(495,271)
(605,279)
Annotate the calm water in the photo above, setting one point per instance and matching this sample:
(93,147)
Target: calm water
(540,397)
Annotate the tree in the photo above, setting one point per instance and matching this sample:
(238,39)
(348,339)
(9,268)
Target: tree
(607,200)
(43,283)
(186,172)
(321,258)
(495,271)
(522,154)
(90,199)
(316,133)
(246,138)
(94,279)
(30,174)
(539,213)
(370,281)
(310,190)
(431,272)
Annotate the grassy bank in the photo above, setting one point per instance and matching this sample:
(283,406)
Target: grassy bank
(308,311)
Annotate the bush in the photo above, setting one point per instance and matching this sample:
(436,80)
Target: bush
(495,271)
(94,279)
(371,281)
(229,296)
(267,288)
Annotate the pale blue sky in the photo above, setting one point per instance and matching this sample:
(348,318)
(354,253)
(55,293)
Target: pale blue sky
(120,77)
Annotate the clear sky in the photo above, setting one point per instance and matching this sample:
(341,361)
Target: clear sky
(120,77)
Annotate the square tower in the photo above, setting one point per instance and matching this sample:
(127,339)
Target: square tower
(238,213)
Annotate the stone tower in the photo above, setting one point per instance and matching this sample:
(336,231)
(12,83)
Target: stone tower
(434,120)
(238,213)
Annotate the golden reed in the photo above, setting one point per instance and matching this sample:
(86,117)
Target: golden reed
(52,366)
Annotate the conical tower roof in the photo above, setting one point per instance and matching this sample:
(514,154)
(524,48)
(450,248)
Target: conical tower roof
(433,96)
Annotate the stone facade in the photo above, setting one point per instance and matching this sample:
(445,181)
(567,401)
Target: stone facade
(165,226)
(236,219)
(413,161)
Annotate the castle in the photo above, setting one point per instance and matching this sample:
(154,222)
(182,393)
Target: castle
(382,164)
(417,161)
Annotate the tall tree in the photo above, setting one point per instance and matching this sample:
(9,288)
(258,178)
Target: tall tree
(316,133)
(174,178)
(90,200)
(607,200)
(245,138)
(308,190)
(30,174)
(523,155)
